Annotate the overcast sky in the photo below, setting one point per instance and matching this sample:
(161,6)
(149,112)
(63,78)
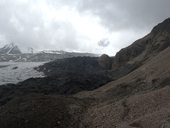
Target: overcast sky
(98,26)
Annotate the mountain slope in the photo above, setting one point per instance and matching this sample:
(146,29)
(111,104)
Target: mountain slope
(152,75)
(139,99)
(10,49)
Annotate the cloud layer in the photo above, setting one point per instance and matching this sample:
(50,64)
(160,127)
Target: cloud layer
(78,25)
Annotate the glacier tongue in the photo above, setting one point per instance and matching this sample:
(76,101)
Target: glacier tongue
(14,72)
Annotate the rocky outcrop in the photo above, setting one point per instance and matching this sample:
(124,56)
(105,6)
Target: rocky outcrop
(105,61)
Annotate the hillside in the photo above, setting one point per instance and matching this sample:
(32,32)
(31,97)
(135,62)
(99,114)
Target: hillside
(130,90)
(139,99)
(135,98)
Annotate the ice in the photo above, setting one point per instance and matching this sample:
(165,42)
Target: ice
(14,72)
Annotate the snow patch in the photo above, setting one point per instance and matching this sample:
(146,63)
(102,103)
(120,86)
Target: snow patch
(51,52)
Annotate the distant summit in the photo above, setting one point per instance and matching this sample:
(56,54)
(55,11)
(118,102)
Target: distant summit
(10,49)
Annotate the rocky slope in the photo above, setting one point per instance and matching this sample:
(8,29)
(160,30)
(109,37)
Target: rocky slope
(137,98)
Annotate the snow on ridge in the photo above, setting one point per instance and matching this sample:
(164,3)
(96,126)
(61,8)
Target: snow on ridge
(14,72)
(9,47)
(51,52)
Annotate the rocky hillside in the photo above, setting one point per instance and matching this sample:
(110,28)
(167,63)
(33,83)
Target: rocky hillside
(138,96)
(139,99)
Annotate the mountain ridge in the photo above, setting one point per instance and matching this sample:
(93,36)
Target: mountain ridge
(11,52)
(10,49)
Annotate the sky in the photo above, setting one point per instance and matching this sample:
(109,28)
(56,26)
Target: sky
(96,26)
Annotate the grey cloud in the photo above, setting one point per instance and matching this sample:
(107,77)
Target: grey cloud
(20,23)
(128,14)
(27,28)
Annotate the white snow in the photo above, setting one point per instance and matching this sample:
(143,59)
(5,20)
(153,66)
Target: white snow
(14,72)
(51,52)
(10,47)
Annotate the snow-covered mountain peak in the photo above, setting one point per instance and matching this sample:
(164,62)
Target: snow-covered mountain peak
(10,49)
(11,45)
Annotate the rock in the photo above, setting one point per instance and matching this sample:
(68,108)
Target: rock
(105,61)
